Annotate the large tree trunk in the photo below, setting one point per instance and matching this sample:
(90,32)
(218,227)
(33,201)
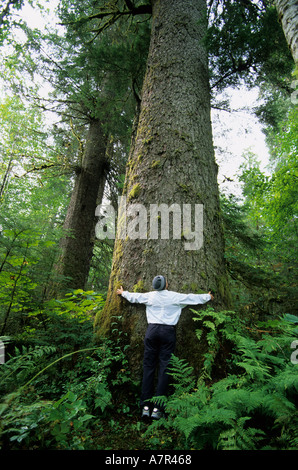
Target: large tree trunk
(288,14)
(77,246)
(172,161)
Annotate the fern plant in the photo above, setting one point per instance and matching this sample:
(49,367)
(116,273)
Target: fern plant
(24,363)
(28,419)
(182,374)
(240,436)
(254,405)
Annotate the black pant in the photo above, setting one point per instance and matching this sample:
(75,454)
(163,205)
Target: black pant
(159,342)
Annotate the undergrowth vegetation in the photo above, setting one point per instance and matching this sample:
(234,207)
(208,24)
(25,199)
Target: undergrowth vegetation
(60,390)
(255,405)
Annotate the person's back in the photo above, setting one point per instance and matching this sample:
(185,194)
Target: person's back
(163,309)
(165,306)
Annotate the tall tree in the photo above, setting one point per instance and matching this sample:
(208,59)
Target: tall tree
(77,244)
(93,86)
(171,162)
(288,15)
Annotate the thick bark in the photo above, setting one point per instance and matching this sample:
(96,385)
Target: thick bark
(172,161)
(77,246)
(288,15)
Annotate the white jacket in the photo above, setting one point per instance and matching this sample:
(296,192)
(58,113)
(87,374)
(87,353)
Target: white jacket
(165,306)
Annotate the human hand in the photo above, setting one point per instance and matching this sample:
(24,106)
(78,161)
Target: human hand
(210,293)
(120,291)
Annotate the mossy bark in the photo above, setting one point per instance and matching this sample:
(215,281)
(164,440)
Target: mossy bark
(174,129)
(288,15)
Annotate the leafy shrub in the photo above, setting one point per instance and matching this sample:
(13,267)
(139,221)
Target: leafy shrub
(51,393)
(28,419)
(245,397)
(253,406)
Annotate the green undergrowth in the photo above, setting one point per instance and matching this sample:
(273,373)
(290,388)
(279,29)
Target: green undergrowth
(63,391)
(254,406)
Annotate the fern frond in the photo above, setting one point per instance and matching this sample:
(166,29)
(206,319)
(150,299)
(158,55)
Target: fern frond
(278,406)
(286,380)
(182,373)
(22,364)
(241,401)
(240,438)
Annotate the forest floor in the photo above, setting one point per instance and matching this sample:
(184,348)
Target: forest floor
(123,434)
(127,432)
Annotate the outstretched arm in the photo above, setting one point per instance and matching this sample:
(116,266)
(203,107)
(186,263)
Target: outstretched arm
(133,297)
(193,299)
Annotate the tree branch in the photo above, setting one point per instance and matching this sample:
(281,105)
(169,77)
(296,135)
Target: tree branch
(5,11)
(112,16)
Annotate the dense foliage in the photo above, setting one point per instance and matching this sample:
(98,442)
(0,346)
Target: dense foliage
(61,389)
